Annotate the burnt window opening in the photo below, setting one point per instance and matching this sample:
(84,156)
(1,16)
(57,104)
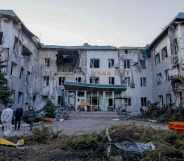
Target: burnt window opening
(143,81)
(127,64)
(94,63)
(126,51)
(20,98)
(61,80)
(78,79)
(143,63)
(46,80)
(111,80)
(164,53)
(110,63)
(26,51)
(60,100)
(127,81)
(13,69)
(21,73)
(161,100)
(175,43)
(47,62)
(168,99)
(143,101)
(128,101)
(1,38)
(94,80)
(67,57)
(157,59)
(28,75)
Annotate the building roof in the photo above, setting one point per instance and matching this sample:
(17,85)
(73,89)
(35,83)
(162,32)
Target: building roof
(179,18)
(131,48)
(82,47)
(11,14)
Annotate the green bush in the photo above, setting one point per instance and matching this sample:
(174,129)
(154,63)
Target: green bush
(50,109)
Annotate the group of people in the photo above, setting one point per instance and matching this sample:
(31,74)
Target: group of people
(8,116)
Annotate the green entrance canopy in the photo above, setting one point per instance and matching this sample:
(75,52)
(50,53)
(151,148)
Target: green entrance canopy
(93,87)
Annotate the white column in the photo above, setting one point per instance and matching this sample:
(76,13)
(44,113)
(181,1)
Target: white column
(113,100)
(76,100)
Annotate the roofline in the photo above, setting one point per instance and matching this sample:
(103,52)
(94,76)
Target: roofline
(131,48)
(178,17)
(11,14)
(83,47)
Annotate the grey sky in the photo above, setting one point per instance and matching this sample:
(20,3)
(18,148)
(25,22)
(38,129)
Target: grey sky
(102,22)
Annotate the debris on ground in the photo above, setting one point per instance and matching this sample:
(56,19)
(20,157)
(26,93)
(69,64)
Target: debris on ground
(156,145)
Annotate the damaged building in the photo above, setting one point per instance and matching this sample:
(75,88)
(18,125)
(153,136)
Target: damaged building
(93,78)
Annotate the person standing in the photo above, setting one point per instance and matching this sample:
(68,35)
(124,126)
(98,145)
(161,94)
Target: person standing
(18,117)
(6,119)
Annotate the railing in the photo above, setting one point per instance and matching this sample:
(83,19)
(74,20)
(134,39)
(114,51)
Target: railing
(176,74)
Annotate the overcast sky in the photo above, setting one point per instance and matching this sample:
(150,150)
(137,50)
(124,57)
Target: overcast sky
(102,22)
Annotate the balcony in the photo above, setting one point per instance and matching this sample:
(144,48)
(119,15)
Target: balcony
(175,74)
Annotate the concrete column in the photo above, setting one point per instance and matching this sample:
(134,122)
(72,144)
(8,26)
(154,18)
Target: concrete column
(85,95)
(76,100)
(104,103)
(113,100)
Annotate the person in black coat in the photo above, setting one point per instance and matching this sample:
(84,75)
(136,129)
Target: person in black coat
(18,117)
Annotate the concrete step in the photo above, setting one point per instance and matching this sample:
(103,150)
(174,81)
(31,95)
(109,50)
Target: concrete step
(93,115)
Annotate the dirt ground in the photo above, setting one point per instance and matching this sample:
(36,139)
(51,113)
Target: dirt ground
(53,150)
(82,126)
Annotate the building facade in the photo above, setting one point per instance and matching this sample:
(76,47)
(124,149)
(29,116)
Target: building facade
(93,78)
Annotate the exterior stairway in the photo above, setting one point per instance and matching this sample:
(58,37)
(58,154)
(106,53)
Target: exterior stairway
(94,115)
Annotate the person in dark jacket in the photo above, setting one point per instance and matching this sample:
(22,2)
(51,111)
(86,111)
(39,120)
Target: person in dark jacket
(18,117)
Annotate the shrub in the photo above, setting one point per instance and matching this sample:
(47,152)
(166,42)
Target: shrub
(49,109)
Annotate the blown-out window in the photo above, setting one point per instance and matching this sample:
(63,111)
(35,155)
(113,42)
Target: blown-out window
(94,63)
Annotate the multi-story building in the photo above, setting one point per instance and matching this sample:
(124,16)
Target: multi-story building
(93,78)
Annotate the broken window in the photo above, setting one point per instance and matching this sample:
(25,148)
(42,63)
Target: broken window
(28,76)
(47,62)
(13,96)
(110,63)
(60,100)
(26,51)
(126,63)
(161,100)
(166,74)
(143,101)
(157,58)
(159,78)
(143,64)
(94,63)
(94,80)
(21,72)
(127,81)
(78,79)
(13,69)
(20,98)
(110,102)
(1,38)
(168,99)
(175,43)
(128,101)
(164,53)
(61,80)
(46,80)
(126,51)
(111,80)
(143,81)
